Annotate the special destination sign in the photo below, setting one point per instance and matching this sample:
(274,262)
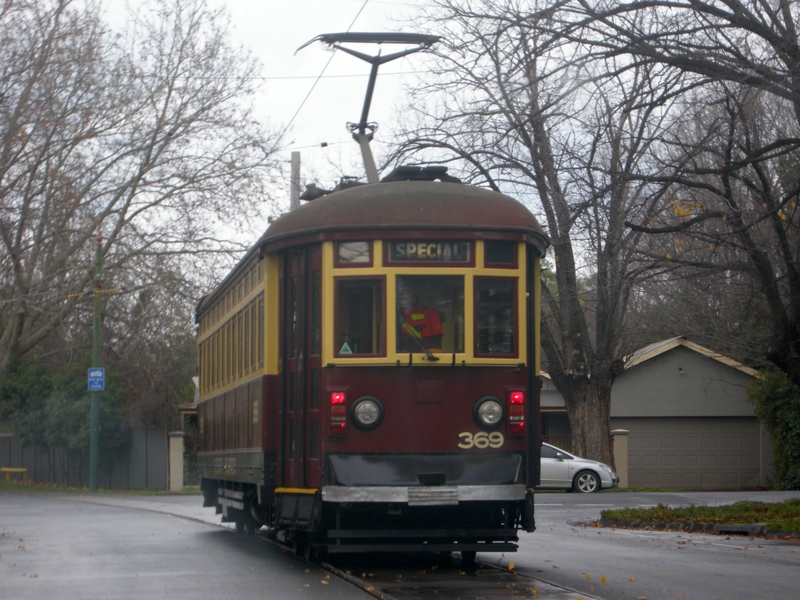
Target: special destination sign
(429,251)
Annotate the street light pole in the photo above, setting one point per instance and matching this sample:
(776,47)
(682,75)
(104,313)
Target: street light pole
(94,438)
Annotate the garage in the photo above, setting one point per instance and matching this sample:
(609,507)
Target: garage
(689,422)
(693,453)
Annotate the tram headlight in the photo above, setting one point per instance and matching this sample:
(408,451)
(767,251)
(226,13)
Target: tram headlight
(367,413)
(488,412)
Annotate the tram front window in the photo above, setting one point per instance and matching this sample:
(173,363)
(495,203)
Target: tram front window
(495,310)
(359,320)
(430,313)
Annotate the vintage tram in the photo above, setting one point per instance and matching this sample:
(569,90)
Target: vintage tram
(369,371)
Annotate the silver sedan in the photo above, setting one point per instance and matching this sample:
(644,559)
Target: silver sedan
(563,470)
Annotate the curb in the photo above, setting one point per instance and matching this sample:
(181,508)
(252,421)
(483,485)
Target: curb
(746,529)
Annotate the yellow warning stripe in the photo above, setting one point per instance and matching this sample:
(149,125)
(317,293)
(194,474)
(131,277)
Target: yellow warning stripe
(282,490)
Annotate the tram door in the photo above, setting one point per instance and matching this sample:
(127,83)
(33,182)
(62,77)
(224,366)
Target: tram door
(301,295)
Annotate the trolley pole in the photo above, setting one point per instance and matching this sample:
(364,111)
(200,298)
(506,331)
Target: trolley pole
(363,131)
(94,438)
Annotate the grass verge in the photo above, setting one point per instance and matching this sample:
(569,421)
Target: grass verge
(783,516)
(32,486)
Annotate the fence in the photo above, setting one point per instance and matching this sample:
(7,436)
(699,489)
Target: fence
(143,465)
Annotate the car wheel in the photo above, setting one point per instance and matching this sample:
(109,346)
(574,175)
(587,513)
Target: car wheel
(586,482)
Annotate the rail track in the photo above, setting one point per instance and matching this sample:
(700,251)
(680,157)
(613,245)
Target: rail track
(444,576)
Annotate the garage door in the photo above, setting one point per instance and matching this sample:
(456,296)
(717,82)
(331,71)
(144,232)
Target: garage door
(692,453)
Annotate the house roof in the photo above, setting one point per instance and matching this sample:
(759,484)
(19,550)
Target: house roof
(552,399)
(658,348)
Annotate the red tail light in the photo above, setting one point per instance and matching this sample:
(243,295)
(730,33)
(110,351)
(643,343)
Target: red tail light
(338,414)
(516,413)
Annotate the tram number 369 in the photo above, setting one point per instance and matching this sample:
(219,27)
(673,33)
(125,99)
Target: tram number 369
(481,439)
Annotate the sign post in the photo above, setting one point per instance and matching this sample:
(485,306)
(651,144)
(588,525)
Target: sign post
(97,374)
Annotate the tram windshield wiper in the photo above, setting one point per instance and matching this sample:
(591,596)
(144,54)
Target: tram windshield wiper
(427,352)
(412,333)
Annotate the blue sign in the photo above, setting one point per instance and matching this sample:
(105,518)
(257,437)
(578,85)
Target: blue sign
(97,379)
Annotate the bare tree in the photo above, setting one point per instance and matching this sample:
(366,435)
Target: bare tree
(730,204)
(145,137)
(750,42)
(724,212)
(525,113)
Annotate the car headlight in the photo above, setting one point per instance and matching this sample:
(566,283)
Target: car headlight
(607,469)
(367,413)
(488,412)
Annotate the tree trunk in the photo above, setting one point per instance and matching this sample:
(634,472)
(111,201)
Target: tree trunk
(588,404)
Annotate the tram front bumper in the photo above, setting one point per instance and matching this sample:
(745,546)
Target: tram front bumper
(424,495)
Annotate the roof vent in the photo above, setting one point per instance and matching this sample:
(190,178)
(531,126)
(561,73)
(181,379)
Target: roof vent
(410,173)
(312,191)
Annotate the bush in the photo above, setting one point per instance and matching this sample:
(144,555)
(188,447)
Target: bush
(777,402)
(792,480)
(52,409)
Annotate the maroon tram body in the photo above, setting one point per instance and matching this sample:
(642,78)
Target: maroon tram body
(369,372)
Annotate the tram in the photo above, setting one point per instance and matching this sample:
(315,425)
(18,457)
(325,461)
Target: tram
(369,371)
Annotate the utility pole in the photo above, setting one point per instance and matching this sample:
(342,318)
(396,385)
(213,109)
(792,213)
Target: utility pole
(294,191)
(94,438)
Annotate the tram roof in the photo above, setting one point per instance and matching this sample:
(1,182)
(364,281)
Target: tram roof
(394,208)
(404,206)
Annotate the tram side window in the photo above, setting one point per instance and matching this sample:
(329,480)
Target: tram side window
(359,317)
(495,323)
(430,313)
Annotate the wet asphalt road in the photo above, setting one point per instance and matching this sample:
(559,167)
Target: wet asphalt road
(72,547)
(621,563)
(67,549)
